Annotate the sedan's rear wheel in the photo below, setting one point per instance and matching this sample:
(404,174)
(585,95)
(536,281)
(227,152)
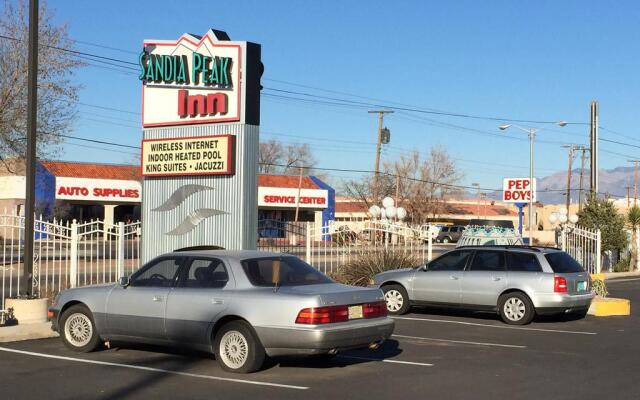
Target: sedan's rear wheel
(396,298)
(78,329)
(238,349)
(516,308)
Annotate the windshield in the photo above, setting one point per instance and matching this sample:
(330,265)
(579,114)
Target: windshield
(563,263)
(282,271)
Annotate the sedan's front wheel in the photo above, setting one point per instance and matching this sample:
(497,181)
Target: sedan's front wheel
(78,329)
(396,298)
(238,349)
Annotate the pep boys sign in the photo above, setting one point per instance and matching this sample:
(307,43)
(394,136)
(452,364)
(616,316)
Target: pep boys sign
(517,190)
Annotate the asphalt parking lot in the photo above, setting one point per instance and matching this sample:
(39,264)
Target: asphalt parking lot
(433,354)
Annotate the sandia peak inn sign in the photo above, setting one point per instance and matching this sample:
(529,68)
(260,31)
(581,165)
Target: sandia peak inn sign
(198,80)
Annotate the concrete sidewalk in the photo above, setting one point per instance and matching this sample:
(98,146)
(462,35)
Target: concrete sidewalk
(26,332)
(613,275)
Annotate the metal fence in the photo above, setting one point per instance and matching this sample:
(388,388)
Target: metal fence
(66,254)
(585,245)
(327,247)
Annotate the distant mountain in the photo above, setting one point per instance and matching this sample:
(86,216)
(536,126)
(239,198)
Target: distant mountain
(552,188)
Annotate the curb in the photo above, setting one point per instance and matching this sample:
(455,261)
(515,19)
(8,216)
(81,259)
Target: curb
(613,275)
(606,307)
(16,333)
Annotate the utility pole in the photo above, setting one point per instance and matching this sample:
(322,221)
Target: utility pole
(593,148)
(635,181)
(477,185)
(299,192)
(32,123)
(571,147)
(397,188)
(583,149)
(628,196)
(381,114)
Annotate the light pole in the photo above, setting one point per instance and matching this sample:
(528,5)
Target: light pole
(532,135)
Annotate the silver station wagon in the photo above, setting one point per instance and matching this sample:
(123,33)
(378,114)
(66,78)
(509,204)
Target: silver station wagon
(516,281)
(240,305)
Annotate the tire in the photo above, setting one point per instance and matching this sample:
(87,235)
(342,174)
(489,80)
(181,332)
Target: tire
(77,329)
(238,349)
(397,299)
(446,240)
(516,308)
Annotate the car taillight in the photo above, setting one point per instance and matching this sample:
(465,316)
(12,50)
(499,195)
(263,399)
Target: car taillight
(375,310)
(329,315)
(559,284)
(323,315)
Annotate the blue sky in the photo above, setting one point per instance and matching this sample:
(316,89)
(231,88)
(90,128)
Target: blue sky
(542,60)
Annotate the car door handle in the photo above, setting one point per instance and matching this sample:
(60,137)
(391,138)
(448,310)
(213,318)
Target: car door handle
(217,301)
(455,278)
(157,298)
(496,278)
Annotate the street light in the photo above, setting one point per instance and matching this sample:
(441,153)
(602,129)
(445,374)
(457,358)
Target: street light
(531,132)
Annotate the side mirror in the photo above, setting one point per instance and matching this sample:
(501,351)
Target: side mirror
(124,281)
(425,267)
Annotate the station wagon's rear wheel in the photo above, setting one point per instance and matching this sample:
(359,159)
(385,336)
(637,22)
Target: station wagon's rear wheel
(516,308)
(78,329)
(396,298)
(238,349)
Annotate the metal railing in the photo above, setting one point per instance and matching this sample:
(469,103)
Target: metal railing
(328,247)
(66,254)
(585,245)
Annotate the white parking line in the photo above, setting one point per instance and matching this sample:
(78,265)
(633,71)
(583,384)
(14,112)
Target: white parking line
(514,346)
(622,280)
(386,360)
(165,371)
(494,326)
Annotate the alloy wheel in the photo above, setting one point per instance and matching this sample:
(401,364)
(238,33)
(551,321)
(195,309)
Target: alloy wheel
(234,349)
(78,329)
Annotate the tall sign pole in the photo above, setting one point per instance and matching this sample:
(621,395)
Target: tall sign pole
(32,122)
(593,170)
(199,160)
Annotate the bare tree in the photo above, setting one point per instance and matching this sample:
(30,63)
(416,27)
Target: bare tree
(57,94)
(419,185)
(270,156)
(275,158)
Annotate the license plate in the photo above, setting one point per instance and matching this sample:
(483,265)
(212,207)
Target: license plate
(582,286)
(355,312)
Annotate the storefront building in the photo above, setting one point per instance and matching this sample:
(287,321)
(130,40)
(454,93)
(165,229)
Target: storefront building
(113,192)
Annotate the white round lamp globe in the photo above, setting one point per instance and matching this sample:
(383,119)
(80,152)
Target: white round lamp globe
(573,218)
(563,218)
(402,213)
(553,218)
(387,202)
(374,211)
(391,212)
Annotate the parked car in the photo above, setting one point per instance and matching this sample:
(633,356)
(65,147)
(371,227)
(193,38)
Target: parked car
(450,234)
(240,305)
(489,236)
(426,228)
(515,281)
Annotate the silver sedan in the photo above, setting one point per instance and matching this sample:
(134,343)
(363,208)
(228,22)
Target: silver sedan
(240,305)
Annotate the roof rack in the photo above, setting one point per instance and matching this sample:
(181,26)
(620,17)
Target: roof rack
(202,247)
(509,246)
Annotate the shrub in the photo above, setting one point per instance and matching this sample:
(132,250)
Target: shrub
(360,270)
(599,288)
(622,265)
